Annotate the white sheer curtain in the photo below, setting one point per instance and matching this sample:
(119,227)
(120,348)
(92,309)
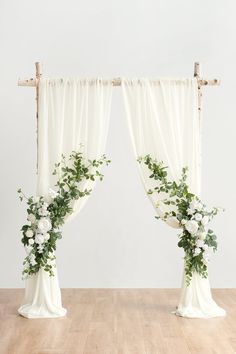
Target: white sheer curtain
(163,122)
(71,112)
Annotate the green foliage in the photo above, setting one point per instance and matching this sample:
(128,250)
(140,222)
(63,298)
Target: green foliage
(40,244)
(188,212)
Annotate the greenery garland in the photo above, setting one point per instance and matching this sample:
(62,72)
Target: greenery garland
(47,215)
(190,214)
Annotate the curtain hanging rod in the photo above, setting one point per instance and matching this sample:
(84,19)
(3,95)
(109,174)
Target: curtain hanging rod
(33,82)
(117,82)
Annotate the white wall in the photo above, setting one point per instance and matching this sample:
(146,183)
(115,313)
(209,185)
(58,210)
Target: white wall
(115,241)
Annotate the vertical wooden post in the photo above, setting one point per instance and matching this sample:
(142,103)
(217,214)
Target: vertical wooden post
(38,75)
(197,74)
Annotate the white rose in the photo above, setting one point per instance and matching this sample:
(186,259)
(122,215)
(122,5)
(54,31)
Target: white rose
(198,216)
(205,220)
(31,241)
(202,235)
(183,221)
(199,206)
(197,251)
(53,194)
(39,238)
(191,226)
(43,211)
(200,243)
(31,218)
(205,247)
(190,211)
(29,233)
(44,225)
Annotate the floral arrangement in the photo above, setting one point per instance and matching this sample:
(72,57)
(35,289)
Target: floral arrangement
(46,215)
(189,213)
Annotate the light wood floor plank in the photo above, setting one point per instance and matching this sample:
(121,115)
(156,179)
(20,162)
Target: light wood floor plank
(117,321)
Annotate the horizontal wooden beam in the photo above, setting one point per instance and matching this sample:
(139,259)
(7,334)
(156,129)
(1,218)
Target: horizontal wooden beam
(32,82)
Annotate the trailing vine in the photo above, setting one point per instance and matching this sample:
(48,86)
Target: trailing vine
(46,214)
(188,212)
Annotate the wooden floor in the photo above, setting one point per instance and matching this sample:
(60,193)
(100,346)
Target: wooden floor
(117,321)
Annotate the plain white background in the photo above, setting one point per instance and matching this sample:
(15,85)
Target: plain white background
(116,241)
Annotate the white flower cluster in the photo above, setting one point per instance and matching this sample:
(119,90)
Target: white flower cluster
(38,232)
(196,225)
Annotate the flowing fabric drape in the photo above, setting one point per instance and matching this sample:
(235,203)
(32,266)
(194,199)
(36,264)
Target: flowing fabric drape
(73,115)
(163,122)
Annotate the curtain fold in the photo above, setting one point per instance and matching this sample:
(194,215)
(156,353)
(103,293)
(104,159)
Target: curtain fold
(163,122)
(73,115)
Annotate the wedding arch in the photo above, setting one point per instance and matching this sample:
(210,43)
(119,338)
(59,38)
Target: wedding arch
(72,126)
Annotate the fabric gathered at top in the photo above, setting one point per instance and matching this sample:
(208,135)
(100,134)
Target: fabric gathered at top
(73,115)
(164,122)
